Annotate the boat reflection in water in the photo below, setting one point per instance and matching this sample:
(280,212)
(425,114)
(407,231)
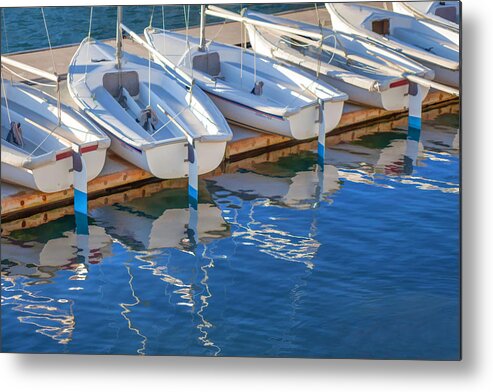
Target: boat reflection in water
(153,228)
(237,276)
(393,156)
(141,225)
(294,182)
(35,260)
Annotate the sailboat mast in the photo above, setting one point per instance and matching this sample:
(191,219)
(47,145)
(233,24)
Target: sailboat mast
(119,37)
(202,28)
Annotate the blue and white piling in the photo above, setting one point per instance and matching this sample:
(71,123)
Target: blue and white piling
(321,135)
(417,94)
(193,176)
(80,193)
(412,149)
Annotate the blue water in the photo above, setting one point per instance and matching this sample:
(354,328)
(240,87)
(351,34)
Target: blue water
(360,262)
(23,28)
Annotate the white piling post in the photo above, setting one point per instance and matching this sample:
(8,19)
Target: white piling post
(417,93)
(193,176)
(80,193)
(321,134)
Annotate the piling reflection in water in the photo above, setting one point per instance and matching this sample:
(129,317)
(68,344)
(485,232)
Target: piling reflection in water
(246,275)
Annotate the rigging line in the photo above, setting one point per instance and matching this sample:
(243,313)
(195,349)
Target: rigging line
(87,46)
(186,21)
(149,57)
(217,34)
(170,120)
(6,101)
(152,16)
(335,47)
(49,41)
(149,77)
(189,51)
(164,31)
(5,29)
(300,94)
(42,141)
(242,33)
(319,62)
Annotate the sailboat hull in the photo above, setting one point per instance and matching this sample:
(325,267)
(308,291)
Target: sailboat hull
(301,125)
(163,151)
(395,98)
(49,178)
(288,105)
(44,163)
(414,38)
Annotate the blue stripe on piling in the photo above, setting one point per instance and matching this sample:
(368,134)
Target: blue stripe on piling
(414,123)
(81,223)
(321,155)
(80,202)
(193,197)
(413,134)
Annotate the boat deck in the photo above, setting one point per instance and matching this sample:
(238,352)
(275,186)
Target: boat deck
(119,176)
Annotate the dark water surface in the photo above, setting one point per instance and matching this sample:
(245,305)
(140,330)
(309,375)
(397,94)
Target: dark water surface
(362,261)
(24,29)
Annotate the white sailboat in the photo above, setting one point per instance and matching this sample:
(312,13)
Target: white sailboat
(441,15)
(402,33)
(153,117)
(375,84)
(40,156)
(249,89)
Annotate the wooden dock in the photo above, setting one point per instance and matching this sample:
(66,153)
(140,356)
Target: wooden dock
(122,178)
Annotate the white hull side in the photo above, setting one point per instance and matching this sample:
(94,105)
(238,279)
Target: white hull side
(49,178)
(301,125)
(156,160)
(209,156)
(392,99)
(250,117)
(94,161)
(445,76)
